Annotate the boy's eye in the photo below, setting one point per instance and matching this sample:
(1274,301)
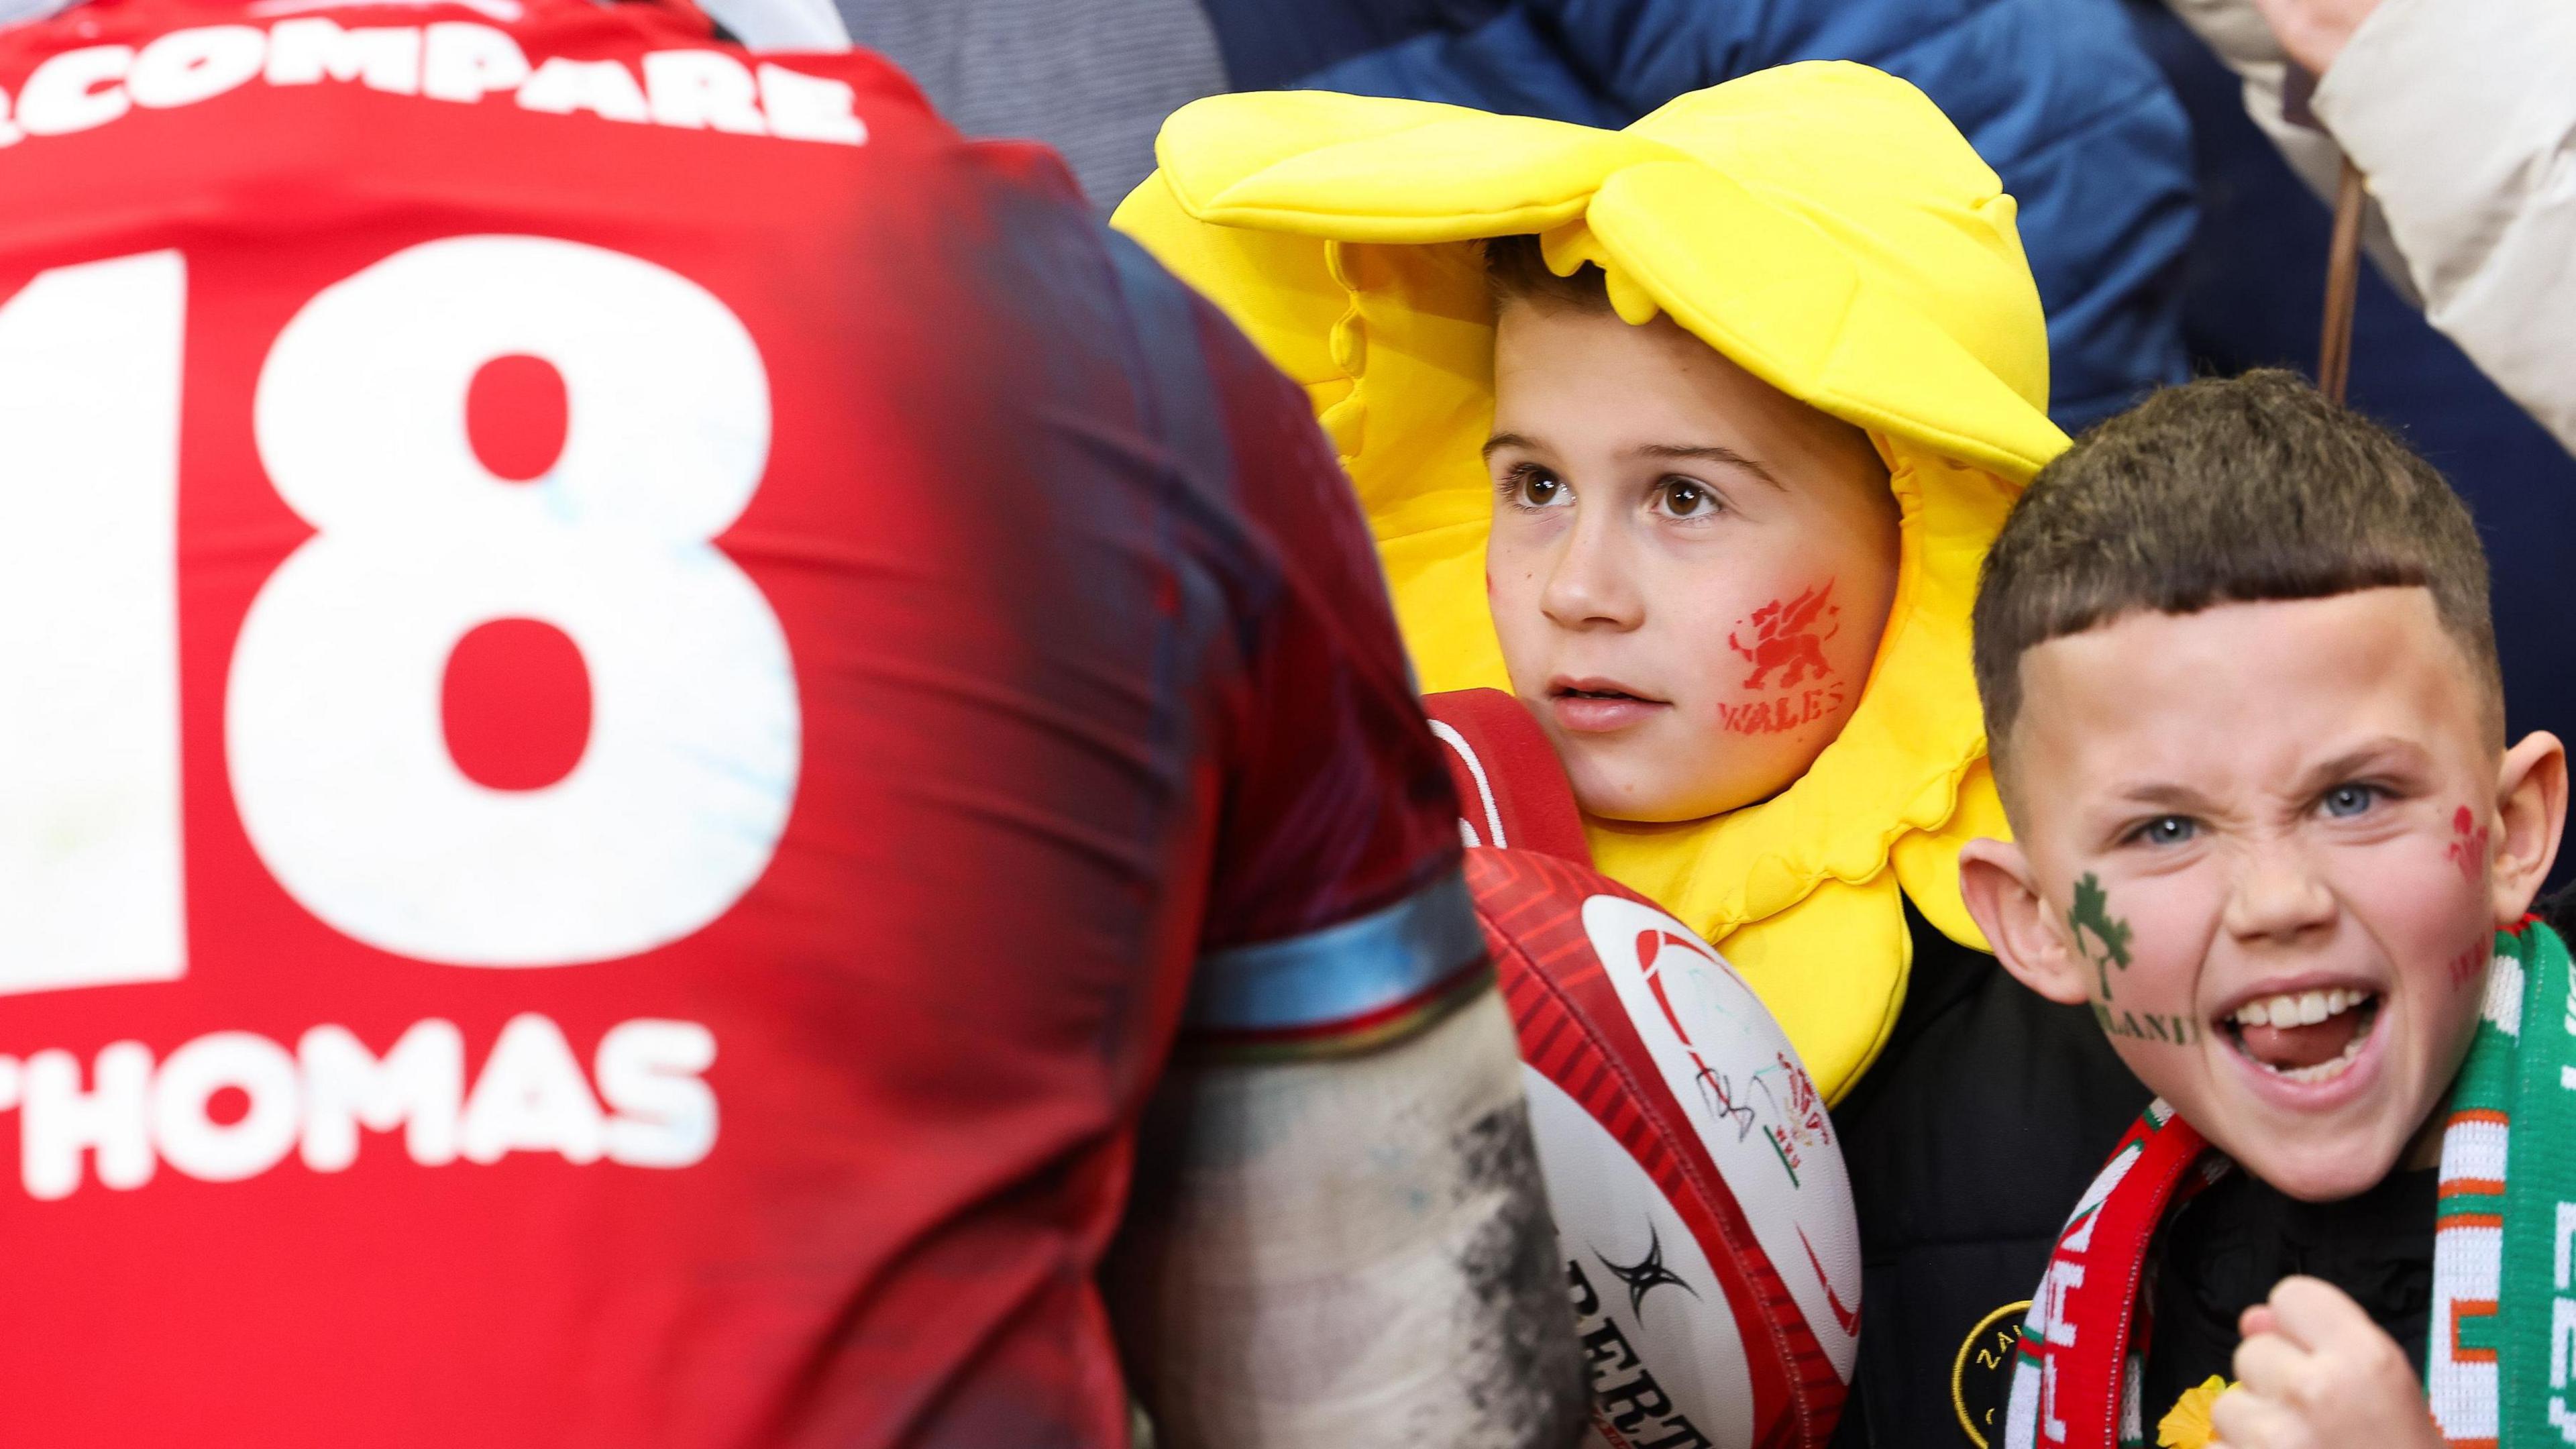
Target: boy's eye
(2167,830)
(1530,486)
(1683,498)
(2345,801)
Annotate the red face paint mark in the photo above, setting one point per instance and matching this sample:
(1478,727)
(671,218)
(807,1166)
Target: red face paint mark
(2468,847)
(2469,965)
(1789,635)
(1779,716)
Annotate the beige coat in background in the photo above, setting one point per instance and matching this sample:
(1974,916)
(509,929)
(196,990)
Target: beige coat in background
(2462,114)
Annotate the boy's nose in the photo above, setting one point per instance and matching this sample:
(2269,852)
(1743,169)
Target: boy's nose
(2278,895)
(1590,583)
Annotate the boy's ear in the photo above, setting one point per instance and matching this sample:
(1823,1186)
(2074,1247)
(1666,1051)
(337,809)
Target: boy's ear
(2531,811)
(1995,878)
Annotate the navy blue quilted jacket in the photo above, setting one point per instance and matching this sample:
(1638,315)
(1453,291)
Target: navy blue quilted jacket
(2055,94)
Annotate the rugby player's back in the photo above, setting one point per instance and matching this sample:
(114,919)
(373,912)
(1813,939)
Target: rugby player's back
(633,676)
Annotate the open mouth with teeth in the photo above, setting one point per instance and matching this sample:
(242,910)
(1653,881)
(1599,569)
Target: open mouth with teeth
(2306,1036)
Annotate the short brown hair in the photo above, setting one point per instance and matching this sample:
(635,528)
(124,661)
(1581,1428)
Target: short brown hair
(2226,490)
(1517,271)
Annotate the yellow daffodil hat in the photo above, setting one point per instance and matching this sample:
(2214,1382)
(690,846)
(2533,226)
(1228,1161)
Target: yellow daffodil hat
(1824,226)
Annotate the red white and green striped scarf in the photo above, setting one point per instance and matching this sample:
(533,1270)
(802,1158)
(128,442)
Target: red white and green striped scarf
(2503,1335)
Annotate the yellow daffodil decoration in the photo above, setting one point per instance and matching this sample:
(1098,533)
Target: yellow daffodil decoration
(2186,1425)
(1823,226)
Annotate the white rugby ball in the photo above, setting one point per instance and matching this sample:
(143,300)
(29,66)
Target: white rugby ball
(1702,1208)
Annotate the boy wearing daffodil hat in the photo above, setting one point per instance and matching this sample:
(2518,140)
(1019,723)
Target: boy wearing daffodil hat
(1692,437)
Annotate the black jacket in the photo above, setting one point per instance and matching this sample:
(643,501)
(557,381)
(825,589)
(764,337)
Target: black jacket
(1969,1141)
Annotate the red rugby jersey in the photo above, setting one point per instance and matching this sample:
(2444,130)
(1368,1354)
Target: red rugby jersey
(632,679)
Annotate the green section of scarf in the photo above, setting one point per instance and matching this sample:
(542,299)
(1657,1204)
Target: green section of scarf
(2503,1332)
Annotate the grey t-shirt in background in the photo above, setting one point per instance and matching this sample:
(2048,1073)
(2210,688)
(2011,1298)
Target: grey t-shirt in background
(1092,78)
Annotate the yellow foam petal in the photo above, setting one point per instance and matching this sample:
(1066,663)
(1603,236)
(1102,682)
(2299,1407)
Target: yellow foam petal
(1837,1009)
(1927,861)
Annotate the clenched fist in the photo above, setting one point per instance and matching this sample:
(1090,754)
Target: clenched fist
(2316,1373)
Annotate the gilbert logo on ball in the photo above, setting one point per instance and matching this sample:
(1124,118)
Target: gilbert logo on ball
(1701,1204)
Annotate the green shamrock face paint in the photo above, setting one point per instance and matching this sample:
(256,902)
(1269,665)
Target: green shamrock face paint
(2091,915)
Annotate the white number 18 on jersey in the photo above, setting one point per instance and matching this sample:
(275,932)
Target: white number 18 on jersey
(332,727)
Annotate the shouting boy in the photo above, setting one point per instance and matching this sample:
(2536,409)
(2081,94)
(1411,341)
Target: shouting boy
(2236,657)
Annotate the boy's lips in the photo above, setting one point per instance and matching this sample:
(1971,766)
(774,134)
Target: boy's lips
(1594,705)
(2307,1042)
